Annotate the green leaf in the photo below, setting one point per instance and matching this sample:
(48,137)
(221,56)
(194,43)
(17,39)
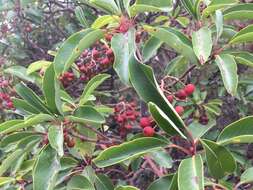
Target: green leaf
(123,47)
(198,130)
(38,65)
(79,182)
(241,131)
(177,66)
(55,137)
(217,4)
(240,11)
(247,176)
(45,170)
(91,86)
(244,58)
(191,174)
(243,36)
(219,160)
(162,158)
(174,39)
(20,72)
(228,69)
(6,180)
(28,95)
(24,106)
(218,23)
(202,44)
(103,182)
(109,6)
(128,150)
(14,138)
(150,48)
(11,126)
(142,75)
(168,182)
(81,16)
(189,6)
(87,114)
(126,188)
(104,20)
(73,47)
(51,90)
(163,120)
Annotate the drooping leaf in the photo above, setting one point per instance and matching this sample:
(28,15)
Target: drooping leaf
(51,90)
(219,160)
(73,47)
(175,39)
(228,69)
(28,95)
(191,174)
(128,150)
(150,48)
(240,131)
(55,137)
(163,120)
(243,36)
(91,86)
(240,11)
(142,75)
(202,44)
(79,182)
(123,47)
(45,170)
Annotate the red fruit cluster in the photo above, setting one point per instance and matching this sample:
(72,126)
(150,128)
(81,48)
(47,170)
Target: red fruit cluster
(124,25)
(4,83)
(125,114)
(67,78)
(5,101)
(146,123)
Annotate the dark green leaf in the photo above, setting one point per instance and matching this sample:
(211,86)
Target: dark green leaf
(150,48)
(79,182)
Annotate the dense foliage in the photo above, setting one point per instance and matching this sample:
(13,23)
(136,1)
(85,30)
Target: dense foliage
(126,95)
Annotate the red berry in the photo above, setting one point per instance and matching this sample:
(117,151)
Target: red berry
(109,52)
(71,143)
(170,98)
(105,61)
(189,89)
(145,122)
(95,53)
(179,110)
(128,127)
(148,132)
(181,94)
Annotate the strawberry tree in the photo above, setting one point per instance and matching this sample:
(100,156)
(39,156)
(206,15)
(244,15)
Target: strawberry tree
(59,141)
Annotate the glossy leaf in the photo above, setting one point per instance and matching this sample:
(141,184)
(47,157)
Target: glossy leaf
(123,47)
(162,158)
(79,182)
(126,188)
(228,69)
(142,75)
(177,66)
(202,44)
(163,120)
(240,11)
(150,48)
(168,182)
(103,182)
(28,95)
(104,20)
(243,36)
(20,72)
(198,130)
(73,47)
(6,180)
(240,131)
(244,58)
(191,174)
(51,90)
(91,86)
(109,6)
(55,137)
(128,150)
(22,105)
(45,170)
(174,39)
(219,160)
(14,138)
(218,23)
(37,66)
(247,176)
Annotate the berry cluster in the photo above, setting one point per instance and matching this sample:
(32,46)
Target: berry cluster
(67,78)
(5,101)
(181,94)
(147,124)
(70,142)
(4,83)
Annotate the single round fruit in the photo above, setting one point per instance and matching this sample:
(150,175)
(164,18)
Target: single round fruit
(145,122)
(170,98)
(181,94)
(148,132)
(179,110)
(189,89)
(71,143)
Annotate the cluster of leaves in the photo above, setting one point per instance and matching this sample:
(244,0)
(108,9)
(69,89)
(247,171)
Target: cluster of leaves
(36,150)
